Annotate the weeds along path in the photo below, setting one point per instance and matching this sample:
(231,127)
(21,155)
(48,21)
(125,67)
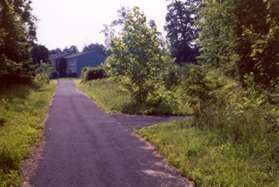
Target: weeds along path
(87,147)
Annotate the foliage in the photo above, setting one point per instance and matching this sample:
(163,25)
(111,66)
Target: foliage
(71,50)
(23,109)
(43,73)
(56,51)
(181,29)
(89,74)
(17,33)
(97,48)
(40,54)
(173,75)
(243,37)
(220,102)
(137,54)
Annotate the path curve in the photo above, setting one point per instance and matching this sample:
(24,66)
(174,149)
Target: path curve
(87,147)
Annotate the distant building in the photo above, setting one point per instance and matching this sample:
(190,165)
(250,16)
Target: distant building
(72,64)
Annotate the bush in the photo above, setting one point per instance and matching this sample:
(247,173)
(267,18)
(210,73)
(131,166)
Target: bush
(173,75)
(243,116)
(89,74)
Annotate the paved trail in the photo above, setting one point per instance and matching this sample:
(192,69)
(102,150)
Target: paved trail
(87,147)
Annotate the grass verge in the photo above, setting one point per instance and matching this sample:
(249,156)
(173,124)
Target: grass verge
(106,93)
(206,157)
(22,112)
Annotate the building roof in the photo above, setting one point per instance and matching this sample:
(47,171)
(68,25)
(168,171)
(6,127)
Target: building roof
(69,56)
(57,56)
(75,55)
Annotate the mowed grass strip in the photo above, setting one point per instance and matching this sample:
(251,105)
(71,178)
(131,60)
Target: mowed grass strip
(204,156)
(106,93)
(22,113)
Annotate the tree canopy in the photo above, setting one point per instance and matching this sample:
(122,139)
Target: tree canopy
(181,29)
(97,48)
(242,37)
(40,54)
(71,50)
(17,34)
(137,53)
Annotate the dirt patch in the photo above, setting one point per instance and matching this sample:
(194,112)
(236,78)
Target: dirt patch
(30,165)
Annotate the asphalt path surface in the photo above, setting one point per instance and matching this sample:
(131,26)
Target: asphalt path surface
(84,146)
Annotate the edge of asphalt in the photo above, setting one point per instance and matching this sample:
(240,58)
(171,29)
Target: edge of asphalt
(29,165)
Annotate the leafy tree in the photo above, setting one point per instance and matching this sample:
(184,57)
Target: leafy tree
(98,48)
(40,54)
(56,51)
(137,54)
(71,50)
(17,33)
(181,29)
(242,37)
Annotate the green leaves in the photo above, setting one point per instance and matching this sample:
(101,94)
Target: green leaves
(242,37)
(17,33)
(137,54)
(181,29)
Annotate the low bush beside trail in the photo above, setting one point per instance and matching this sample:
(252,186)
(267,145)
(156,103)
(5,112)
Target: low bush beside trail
(89,74)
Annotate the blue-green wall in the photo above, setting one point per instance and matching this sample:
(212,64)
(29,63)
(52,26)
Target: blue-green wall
(89,60)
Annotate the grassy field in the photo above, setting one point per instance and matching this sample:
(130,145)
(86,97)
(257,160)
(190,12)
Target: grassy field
(207,158)
(22,112)
(108,95)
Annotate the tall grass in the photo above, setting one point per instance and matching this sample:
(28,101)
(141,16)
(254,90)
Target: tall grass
(22,111)
(210,159)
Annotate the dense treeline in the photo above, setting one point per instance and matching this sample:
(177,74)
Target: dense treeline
(17,35)
(242,37)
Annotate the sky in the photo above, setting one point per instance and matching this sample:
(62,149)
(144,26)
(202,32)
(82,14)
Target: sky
(64,23)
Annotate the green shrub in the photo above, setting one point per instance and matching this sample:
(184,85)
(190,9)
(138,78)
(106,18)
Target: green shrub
(43,74)
(221,103)
(89,74)
(173,75)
